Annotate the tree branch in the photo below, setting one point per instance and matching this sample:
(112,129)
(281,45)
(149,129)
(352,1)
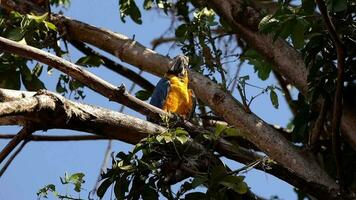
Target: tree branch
(338,98)
(161,40)
(58,138)
(92,81)
(54,111)
(286,92)
(260,133)
(116,67)
(25,131)
(13,156)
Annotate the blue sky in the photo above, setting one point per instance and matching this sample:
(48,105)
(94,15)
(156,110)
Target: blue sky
(41,163)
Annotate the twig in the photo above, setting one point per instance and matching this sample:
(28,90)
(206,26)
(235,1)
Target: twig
(13,156)
(286,92)
(243,98)
(23,133)
(248,166)
(236,77)
(338,98)
(161,40)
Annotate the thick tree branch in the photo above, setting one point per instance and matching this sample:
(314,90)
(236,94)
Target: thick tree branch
(116,67)
(53,111)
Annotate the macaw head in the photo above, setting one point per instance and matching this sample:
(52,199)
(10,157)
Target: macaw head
(179,66)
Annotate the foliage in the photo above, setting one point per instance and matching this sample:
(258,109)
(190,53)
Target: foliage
(159,161)
(76,179)
(65,3)
(27,29)
(305,30)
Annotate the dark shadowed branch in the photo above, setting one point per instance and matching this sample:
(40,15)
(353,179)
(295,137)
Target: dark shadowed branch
(338,97)
(23,133)
(12,157)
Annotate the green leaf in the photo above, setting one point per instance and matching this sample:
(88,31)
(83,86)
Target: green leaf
(181,132)
(143,95)
(77,179)
(262,67)
(308,6)
(195,196)
(219,128)
(16,34)
(235,183)
(30,80)
(50,26)
(181,32)
(182,139)
(92,60)
(263,71)
(26,73)
(274,98)
(103,187)
(43,192)
(149,193)
(129,8)
(337,5)
(37,18)
(242,188)
(37,70)
(121,187)
(147,4)
(198,181)
(232,132)
(10,79)
(298,35)
(74,84)
(267,24)
(59,88)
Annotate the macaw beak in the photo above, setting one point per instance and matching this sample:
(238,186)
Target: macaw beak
(178,67)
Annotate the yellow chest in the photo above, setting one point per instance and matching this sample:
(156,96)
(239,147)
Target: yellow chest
(179,97)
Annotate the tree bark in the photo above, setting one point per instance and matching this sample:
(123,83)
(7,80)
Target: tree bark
(49,110)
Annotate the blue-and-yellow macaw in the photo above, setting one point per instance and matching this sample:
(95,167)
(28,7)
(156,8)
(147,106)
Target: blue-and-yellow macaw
(172,93)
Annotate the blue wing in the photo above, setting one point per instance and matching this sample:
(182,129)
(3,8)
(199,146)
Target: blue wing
(160,93)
